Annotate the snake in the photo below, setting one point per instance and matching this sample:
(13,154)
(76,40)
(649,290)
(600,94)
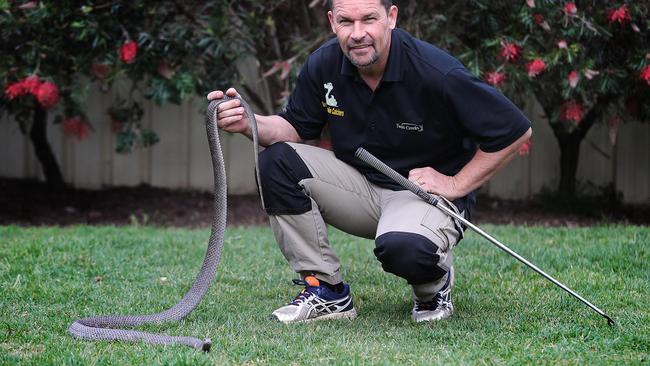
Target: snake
(111,327)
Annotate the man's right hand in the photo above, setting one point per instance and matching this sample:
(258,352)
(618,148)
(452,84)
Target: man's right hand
(231,115)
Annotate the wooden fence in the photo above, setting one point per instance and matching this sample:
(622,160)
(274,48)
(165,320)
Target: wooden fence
(182,159)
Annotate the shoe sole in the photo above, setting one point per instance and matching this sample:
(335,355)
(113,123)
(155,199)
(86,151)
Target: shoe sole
(349,315)
(433,319)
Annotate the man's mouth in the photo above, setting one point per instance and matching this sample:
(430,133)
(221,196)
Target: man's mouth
(360,46)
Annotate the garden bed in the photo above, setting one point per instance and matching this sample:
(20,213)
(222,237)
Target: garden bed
(29,202)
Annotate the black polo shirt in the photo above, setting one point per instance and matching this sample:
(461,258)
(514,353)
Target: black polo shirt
(427,111)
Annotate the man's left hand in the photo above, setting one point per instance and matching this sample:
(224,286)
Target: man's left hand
(434,182)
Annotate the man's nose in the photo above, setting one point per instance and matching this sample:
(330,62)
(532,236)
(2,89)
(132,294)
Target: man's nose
(358,31)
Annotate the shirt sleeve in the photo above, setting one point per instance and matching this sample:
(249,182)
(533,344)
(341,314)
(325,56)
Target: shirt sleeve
(491,119)
(303,110)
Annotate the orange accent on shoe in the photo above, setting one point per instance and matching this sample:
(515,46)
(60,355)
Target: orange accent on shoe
(312,281)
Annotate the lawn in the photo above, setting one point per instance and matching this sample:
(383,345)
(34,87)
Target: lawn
(505,313)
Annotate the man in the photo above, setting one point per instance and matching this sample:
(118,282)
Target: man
(408,103)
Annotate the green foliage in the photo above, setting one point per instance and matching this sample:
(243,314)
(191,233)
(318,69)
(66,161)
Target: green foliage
(596,60)
(189,48)
(183,49)
(504,312)
(606,55)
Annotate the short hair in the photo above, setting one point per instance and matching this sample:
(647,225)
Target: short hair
(386,3)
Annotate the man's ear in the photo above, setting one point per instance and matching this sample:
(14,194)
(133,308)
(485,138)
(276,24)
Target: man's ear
(392,17)
(330,16)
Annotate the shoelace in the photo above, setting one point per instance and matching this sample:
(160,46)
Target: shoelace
(303,295)
(438,301)
(428,305)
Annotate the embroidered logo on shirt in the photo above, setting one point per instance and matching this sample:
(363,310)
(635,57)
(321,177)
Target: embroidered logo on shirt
(330,104)
(410,127)
(329,97)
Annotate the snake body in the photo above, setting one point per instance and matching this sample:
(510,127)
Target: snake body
(108,327)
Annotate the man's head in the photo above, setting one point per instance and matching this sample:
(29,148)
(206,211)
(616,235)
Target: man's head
(363,28)
(386,3)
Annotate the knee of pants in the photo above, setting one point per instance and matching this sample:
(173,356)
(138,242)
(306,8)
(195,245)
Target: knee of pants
(281,170)
(410,256)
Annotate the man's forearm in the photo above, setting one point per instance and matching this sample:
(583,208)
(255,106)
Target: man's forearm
(272,129)
(483,166)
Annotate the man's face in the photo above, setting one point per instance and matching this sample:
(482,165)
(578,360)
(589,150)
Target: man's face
(363,28)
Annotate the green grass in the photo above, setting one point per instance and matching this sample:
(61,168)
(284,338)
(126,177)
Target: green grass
(505,313)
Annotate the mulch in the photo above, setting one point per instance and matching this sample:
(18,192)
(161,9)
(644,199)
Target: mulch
(30,202)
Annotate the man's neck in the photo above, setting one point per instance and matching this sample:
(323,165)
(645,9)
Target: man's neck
(372,75)
(371,80)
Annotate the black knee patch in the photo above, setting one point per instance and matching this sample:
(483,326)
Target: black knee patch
(410,256)
(280,171)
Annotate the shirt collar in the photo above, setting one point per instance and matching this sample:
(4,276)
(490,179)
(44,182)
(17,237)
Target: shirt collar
(394,70)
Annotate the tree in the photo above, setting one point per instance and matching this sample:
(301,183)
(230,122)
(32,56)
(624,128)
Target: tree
(584,61)
(53,50)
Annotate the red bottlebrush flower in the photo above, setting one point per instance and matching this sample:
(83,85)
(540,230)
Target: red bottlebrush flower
(572,111)
(165,71)
(525,148)
(31,84)
(590,74)
(621,15)
(645,74)
(535,67)
(14,90)
(574,77)
(28,5)
(570,9)
(510,51)
(128,51)
(495,78)
(75,127)
(47,94)
(69,125)
(28,85)
(99,70)
(539,20)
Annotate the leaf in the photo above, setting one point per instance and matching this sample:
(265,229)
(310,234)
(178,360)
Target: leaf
(148,138)
(125,142)
(184,83)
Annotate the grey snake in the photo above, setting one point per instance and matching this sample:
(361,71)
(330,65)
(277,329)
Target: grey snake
(109,327)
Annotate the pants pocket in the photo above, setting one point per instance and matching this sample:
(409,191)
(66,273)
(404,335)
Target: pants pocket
(443,226)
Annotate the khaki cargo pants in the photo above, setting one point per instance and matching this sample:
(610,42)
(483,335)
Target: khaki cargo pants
(413,239)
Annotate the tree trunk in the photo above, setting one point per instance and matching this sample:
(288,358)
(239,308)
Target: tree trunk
(38,136)
(569,140)
(569,157)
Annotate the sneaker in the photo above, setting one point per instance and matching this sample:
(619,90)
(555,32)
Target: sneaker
(439,308)
(316,302)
